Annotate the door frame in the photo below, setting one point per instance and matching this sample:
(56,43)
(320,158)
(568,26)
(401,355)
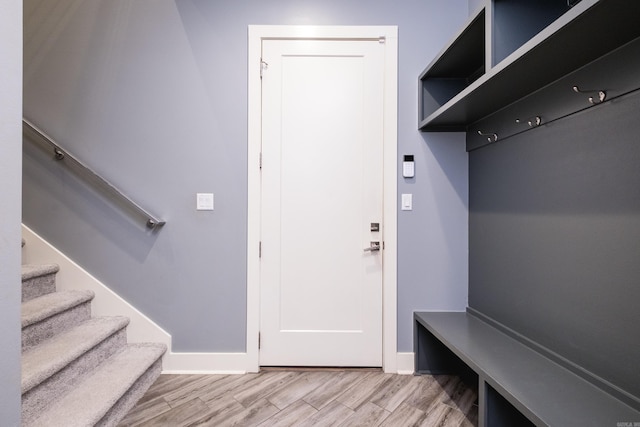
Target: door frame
(384,34)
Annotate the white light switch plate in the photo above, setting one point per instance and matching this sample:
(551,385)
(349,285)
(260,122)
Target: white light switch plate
(407,202)
(204,201)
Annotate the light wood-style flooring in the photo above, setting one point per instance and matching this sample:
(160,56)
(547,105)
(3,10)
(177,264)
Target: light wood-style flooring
(299,397)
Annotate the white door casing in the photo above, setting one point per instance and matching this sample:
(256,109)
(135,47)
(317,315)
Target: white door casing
(385,39)
(320,292)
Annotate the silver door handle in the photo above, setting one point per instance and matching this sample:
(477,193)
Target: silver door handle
(375,246)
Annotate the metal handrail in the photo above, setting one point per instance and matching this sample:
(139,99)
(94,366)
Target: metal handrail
(61,154)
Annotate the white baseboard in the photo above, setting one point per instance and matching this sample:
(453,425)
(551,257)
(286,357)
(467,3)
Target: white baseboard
(406,363)
(206,363)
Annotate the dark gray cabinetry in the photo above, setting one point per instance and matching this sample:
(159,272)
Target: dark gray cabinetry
(526,46)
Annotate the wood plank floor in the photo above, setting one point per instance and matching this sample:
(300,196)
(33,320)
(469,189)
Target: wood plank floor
(301,397)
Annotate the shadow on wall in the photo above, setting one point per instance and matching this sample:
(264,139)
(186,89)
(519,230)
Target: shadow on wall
(446,150)
(69,195)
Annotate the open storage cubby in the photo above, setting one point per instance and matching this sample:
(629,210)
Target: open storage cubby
(532,44)
(501,413)
(455,68)
(435,358)
(515,22)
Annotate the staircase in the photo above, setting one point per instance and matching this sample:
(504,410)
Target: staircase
(77,370)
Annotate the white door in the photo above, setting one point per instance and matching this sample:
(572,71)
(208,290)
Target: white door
(322,196)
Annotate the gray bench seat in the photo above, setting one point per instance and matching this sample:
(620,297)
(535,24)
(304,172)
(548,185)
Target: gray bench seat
(517,386)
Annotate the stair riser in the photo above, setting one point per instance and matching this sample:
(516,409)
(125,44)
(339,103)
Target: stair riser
(38,286)
(128,401)
(36,333)
(41,396)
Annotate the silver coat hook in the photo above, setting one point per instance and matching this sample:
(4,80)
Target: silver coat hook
(492,137)
(532,122)
(58,154)
(602,95)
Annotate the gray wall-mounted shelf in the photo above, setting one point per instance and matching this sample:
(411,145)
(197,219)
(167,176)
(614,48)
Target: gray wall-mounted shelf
(538,48)
(456,67)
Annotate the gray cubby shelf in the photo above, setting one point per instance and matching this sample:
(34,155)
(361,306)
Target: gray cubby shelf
(511,48)
(456,67)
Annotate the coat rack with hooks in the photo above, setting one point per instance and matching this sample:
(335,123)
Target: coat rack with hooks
(616,73)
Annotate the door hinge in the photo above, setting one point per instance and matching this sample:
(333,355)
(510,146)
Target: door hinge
(263,66)
(259,249)
(260,161)
(259,340)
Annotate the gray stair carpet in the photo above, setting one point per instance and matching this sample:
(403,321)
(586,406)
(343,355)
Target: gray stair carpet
(41,362)
(58,365)
(130,371)
(38,280)
(77,370)
(45,316)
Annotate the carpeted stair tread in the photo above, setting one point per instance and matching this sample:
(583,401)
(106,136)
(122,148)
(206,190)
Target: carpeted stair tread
(30,271)
(48,305)
(91,400)
(52,355)
(38,280)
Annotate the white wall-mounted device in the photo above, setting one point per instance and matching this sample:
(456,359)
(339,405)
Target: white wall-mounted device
(406,202)
(408,166)
(204,201)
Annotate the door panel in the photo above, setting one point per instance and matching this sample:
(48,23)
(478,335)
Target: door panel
(321,293)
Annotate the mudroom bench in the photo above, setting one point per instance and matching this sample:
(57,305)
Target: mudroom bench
(517,386)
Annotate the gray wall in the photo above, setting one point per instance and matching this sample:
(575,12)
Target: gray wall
(474,4)
(555,238)
(153,95)
(10,177)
